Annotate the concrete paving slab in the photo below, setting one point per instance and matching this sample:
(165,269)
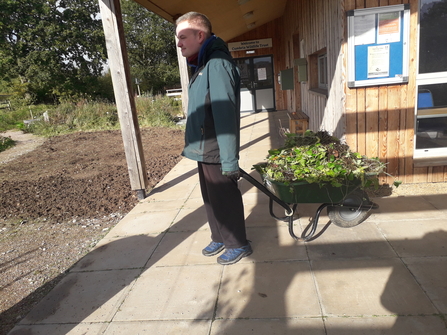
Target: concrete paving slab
(83,297)
(275,244)
(60,329)
(438,200)
(403,208)
(247,188)
(119,253)
(178,327)
(431,274)
(184,172)
(284,326)
(182,248)
(369,287)
(137,223)
(147,206)
(189,219)
(196,193)
(418,237)
(308,210)
(386,325)
(194,202)
(171,293)
(255,198)
(267,290)
(362,241)
(173,190)
(257,215)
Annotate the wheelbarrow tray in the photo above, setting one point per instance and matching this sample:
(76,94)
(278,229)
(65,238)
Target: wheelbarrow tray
(304,192)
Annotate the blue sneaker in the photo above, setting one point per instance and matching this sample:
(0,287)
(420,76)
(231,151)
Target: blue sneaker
(213,249)
(231,256)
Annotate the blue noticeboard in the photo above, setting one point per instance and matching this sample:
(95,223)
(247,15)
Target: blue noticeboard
(378,40)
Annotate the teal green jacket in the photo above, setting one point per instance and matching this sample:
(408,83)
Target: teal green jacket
(213,122)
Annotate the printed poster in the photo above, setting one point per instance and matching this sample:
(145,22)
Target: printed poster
(388,28)
(379,61)
(364,29)
(262,74)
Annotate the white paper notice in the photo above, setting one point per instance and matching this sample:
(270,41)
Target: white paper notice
(379,61)
(262,73)
(389,28)
(364,29)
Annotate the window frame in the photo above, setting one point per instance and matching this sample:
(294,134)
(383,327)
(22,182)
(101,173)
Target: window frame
(315,84)
(322,73)
(426,156)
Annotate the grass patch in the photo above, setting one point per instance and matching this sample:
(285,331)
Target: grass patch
(158,111)
(68,117)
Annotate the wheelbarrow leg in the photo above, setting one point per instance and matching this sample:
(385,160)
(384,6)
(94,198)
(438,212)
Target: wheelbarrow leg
(313,225)
(284,218)
(289,211)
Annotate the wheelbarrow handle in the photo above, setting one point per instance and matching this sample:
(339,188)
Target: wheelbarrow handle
(266,191)
(289,211)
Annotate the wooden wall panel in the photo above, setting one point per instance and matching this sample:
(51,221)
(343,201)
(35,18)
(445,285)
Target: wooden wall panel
(392,107)
(372,122)
(320,26)
(376,121)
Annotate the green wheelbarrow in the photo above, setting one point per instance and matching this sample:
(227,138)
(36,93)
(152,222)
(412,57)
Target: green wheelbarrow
(347,206)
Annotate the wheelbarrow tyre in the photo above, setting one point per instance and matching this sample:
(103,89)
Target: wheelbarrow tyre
(351,212)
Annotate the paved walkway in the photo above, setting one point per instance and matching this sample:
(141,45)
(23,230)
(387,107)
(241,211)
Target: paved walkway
(148,276)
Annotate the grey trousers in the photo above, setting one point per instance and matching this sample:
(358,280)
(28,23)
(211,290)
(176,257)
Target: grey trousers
(223,205)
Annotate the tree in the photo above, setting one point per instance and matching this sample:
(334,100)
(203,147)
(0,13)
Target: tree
(55,47)
(151,47)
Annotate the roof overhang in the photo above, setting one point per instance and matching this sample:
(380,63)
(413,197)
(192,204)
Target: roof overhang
(230,18)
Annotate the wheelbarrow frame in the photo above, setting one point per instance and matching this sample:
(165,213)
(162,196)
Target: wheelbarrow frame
(290,208)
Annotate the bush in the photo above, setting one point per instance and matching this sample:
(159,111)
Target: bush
(6,143)
(158,111)
(81,116)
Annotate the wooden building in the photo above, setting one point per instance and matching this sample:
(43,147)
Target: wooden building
(321,57)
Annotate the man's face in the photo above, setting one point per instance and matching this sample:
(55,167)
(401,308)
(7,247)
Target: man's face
(190,38)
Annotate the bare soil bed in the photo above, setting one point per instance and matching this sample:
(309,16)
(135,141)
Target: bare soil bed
(58,200)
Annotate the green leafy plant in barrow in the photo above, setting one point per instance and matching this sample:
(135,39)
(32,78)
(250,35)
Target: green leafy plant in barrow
(322,159)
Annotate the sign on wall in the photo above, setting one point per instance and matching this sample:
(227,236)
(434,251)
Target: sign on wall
(250,45)
(378,45)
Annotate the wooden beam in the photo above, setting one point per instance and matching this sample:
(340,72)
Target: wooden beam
(122,87)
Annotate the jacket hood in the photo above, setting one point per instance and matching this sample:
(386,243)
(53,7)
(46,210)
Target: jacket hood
(211,45)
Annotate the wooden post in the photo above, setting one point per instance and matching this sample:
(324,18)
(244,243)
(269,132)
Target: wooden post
(184,78)
(122,87)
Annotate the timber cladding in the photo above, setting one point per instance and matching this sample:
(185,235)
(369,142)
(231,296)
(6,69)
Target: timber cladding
(380,120)
(377,121)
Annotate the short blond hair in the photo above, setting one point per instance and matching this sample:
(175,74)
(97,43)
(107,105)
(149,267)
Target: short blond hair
(198,19)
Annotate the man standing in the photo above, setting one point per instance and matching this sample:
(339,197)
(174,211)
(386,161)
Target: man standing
(212,134)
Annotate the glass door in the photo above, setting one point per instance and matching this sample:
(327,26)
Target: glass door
(247,100)
(257,84)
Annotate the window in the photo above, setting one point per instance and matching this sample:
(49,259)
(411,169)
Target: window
(431,107)
(322,71)
(318,76)
(431,120)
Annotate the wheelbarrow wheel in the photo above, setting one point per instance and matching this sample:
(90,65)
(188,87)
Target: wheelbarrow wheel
(352,211)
